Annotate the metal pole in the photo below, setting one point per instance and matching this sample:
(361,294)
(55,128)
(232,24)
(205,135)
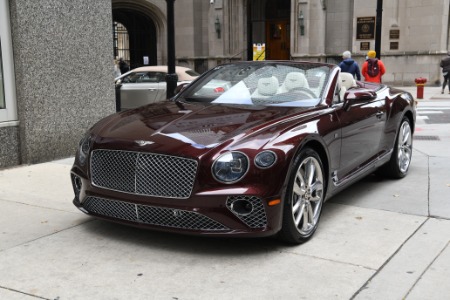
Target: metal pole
(171,77)
(378,28)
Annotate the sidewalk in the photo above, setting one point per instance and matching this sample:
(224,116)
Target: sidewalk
(420,267)
(379,239)
(430,93)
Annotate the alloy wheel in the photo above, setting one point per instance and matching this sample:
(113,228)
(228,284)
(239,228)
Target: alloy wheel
(404,147)
(307,196)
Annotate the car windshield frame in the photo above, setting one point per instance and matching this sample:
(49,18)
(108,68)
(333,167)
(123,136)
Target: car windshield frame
(267,84)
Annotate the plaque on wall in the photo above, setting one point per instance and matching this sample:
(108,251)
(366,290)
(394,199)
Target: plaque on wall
(393,46)
(365,28)
(217,4)
(394,34)
(364,46)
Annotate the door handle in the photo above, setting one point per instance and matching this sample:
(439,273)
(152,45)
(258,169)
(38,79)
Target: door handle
(152,90)
(379,114)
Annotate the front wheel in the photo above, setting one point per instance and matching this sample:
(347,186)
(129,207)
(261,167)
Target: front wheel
(304,198)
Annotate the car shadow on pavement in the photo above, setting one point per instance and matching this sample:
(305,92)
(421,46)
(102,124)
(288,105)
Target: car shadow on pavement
(373,191)
(173,242)
(408,195)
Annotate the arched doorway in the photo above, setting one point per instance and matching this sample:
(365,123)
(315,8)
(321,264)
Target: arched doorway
(135,37)
(269,25)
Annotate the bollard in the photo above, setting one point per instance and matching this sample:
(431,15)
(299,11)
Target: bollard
(420,83)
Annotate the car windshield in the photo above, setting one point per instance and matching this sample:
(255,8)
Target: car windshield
(268,84)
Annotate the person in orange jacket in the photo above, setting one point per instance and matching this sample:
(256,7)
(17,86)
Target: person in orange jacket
(373,68)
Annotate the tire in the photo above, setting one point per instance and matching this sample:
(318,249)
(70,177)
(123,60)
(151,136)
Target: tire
(398,165)
(304,198)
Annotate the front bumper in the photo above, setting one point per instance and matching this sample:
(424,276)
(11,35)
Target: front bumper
(214,214)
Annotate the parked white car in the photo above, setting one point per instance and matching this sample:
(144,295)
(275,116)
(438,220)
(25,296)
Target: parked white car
(146,85)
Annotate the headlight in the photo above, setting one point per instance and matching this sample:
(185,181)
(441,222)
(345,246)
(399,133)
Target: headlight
(83,149)
(407,97)
(265,159)
(230,167)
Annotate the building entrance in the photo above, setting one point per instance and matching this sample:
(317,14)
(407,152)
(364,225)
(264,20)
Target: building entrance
(277,40)
(134,35)
(269,25)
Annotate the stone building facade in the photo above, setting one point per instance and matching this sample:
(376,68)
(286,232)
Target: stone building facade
(414,35)
(56,75)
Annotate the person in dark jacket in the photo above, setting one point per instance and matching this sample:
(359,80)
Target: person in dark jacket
(445,65)
(349,65)
(124,67)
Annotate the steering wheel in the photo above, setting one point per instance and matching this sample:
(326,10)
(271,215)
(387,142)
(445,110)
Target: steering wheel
(304,91)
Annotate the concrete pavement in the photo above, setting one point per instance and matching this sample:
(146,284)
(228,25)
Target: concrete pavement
(379,239)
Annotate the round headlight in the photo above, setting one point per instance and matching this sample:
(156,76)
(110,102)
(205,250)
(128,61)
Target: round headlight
(265,159)
(230,167)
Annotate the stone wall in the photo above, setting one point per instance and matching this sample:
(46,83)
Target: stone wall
(9,151)
(64,73)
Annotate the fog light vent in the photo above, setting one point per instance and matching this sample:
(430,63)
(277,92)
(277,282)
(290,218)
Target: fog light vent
(76,185)
(248,209)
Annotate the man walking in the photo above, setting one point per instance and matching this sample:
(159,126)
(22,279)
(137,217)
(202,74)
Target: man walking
(349,65)
(445,65)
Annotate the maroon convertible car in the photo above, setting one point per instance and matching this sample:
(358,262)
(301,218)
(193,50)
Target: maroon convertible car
(247,149)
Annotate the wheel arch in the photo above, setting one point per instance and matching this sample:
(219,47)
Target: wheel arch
(320,149)
(408,114)
(287,233)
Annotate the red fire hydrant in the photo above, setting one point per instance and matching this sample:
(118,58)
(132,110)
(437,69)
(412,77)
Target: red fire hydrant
(420,83)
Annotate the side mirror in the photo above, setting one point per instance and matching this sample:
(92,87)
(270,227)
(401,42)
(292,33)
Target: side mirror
(181,87)
(353,96)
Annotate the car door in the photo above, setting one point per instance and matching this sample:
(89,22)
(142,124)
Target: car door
(362,124)
(162,87)
(139,88)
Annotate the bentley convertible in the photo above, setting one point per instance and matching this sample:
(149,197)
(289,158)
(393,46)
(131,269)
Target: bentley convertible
(247,149)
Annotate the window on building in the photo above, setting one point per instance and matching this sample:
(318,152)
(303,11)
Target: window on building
(121,42)
(8,112)
(2,89)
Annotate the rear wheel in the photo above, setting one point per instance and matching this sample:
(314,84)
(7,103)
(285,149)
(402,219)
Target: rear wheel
(304,198)
(398,165)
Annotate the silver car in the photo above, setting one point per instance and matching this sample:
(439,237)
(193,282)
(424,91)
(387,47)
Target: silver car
(146,85)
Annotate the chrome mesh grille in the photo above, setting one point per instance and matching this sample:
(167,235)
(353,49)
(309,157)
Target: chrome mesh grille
(143,173)
(152,215)
(257,218)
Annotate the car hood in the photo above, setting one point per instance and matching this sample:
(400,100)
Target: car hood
(191,129)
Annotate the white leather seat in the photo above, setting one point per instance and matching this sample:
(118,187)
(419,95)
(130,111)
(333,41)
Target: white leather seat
(267,86)
(347,82)
(292,81)
(319,84)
